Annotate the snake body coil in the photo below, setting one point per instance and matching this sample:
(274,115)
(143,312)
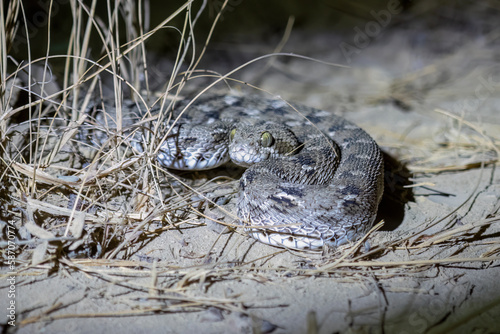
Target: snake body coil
(313,178)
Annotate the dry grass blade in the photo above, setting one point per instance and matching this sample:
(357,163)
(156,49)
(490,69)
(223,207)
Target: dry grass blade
(477,145)
(347,254)
(96,218)
(456,231)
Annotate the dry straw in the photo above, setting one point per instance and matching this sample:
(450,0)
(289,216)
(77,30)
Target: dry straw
(57,201)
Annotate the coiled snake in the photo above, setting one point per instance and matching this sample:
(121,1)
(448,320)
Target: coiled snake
(314,179)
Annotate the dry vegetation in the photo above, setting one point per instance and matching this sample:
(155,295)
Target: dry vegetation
(69,207)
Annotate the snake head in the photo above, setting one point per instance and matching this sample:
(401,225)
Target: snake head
(251,144)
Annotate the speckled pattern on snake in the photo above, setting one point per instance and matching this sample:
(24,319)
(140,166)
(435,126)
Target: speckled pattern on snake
(314,179)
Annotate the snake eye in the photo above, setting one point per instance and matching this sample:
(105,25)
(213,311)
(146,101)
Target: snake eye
(266,139)
(231,134)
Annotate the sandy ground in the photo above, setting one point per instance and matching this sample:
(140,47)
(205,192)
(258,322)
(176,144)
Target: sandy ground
(432,268)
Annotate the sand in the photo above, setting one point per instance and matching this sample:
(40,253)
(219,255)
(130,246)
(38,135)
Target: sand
(431,268)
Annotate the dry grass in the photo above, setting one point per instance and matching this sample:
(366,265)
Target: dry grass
(104,208)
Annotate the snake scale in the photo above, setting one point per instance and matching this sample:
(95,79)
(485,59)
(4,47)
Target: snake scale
(313,179)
